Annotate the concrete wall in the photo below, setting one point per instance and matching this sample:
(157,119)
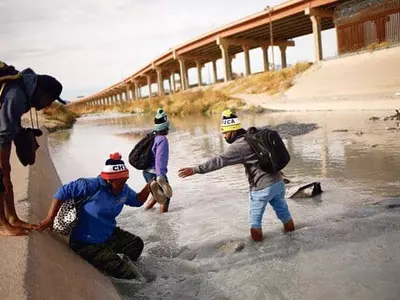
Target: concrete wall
(41,265)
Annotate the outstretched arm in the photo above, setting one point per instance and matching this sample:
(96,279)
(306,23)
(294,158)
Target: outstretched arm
(185,172)
(231,156)
(144,193)
(78,189)
(137,199)
(48,221)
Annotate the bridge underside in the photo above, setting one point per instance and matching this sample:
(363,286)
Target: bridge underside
(274,27)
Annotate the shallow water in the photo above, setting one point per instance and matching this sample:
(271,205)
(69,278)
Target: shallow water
(347,242)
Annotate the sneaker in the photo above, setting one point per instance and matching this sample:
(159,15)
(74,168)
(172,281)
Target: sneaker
(165,186)
(157,192)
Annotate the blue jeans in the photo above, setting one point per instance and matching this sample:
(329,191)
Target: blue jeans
(150,177)
(274,195)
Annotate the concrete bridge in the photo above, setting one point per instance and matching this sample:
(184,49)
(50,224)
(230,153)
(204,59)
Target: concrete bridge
(273,27)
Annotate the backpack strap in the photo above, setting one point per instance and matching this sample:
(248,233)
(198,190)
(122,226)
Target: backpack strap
(80,202)
(10,77)
(3,85)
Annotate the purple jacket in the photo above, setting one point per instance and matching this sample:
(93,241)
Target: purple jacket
(161,154)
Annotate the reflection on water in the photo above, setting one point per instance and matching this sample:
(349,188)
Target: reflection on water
(183,257)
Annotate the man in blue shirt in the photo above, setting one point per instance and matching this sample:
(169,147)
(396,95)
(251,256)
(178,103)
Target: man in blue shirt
(95,237)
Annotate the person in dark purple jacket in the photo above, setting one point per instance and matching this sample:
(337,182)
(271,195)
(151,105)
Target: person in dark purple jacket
(158,171)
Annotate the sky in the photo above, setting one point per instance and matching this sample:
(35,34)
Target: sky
(91,44)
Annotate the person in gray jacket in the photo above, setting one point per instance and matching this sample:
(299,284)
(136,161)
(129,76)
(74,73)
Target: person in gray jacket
(264,188)
(17,97)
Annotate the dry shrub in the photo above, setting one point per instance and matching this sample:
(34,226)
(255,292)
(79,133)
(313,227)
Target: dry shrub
(60,113)
(182,103)
(205,101)
(271,82)
(376,46)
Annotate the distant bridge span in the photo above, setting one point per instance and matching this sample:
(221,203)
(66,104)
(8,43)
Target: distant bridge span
(275,26)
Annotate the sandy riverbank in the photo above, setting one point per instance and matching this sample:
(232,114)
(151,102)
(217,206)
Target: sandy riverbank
(366,81)
(41,266)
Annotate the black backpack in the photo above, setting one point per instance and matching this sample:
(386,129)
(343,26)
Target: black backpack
(141,156)
(269,148)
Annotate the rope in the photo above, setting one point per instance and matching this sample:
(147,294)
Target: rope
(30,112)
(37,119)
(1,91)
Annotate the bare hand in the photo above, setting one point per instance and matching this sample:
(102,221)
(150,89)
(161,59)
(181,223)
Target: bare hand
(46,223)
(185,172)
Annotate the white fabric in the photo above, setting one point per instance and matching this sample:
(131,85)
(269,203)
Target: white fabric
(114,168)
(229,122)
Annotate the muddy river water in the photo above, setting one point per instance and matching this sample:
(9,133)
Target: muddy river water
(347,242)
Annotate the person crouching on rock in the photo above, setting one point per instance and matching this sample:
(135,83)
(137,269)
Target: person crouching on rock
(95,237)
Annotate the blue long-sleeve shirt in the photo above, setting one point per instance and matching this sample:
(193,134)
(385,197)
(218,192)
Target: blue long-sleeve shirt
(161,154)
(97,217)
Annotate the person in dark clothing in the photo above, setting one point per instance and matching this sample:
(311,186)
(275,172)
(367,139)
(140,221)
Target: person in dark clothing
(264,187)
(17,97)
(96,237)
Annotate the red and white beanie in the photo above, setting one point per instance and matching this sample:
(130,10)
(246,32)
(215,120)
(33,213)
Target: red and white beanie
(115,168)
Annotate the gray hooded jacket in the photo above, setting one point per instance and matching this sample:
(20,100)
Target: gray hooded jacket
(15,101)
(239,152)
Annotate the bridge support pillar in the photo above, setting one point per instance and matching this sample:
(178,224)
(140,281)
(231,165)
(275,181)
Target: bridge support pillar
(265,58)
(170,84)
(140,92)
(246,60)
(199,77)
(226,60)
(136,90)
(128,93)
(160,82)
(149,85)
(316,24)
(215,74)
(283,56)
(316,15)
(183,74)
(173,81)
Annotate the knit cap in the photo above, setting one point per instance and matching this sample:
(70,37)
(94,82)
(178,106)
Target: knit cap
(230,121)
(161,120)
(114,168)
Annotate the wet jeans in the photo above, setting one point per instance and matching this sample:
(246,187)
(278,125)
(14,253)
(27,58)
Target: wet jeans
(274,195)
(105,257)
